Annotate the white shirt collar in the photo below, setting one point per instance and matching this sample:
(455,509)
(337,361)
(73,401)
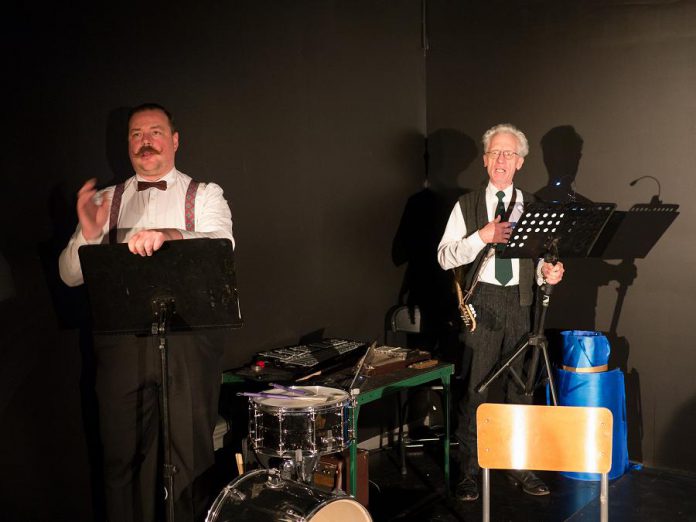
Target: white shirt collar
(492,191)
(168,177)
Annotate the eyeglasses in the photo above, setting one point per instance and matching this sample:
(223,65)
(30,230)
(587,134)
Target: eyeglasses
(507,154)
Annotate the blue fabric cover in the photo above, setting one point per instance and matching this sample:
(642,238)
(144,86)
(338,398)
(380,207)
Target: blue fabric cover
(603,389)
(584,349)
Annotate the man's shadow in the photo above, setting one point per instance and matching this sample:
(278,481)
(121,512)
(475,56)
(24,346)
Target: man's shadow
(573,302)
(71,305)
(426,285)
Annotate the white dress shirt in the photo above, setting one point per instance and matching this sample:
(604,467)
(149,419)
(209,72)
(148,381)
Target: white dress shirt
(455,249)
(154,209)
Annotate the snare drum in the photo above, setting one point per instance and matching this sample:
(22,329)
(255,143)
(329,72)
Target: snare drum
(314,424)
(263,496)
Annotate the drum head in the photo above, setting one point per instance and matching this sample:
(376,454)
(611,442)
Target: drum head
(341,510)
(314,397)
(263,496)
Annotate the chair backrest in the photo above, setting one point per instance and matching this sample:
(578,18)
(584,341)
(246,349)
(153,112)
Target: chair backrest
(551,438)
(401,319)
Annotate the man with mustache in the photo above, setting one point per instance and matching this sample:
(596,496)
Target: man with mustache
(503,296)
(158,204)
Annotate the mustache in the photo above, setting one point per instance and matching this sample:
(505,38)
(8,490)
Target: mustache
(147,148)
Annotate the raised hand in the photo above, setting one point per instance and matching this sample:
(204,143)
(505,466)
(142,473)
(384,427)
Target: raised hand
(92,213)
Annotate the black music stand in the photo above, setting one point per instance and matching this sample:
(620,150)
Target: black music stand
(633,233)
(185,285)
(549,230)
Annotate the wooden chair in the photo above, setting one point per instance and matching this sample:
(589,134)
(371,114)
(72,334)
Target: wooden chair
(551,438)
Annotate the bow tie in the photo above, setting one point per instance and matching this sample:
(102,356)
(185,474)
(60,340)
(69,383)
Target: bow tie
(144,185)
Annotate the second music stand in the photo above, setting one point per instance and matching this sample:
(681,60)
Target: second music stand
(549,230)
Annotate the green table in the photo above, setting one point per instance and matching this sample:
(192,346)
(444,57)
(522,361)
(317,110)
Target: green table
(377,386)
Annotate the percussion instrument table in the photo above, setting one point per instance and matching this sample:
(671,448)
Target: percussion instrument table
(378,386)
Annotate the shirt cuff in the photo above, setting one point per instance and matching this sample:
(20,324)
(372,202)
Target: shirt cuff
(476,242)
(539,276)
(82,240)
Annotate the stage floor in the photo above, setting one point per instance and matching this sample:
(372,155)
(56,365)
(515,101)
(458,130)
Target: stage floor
(642,494)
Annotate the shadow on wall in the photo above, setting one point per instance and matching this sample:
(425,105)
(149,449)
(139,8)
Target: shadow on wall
(574,301)
(448,152)
(70,305)
(117,145)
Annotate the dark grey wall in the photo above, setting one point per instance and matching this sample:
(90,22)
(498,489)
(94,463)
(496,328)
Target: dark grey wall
(622,75)
(310,115)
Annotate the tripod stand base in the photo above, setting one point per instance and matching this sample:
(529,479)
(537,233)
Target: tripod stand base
(540,345)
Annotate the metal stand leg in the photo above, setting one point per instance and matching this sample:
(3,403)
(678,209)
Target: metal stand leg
(353,475)
(446,404)
(539,342)
(168,469)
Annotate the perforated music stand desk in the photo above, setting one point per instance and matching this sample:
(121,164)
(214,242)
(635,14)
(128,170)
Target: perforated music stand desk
(632,234)
(571,228)
(185,285)
(198,274)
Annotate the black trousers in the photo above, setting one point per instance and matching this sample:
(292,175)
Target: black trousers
(127,382)
(501,323)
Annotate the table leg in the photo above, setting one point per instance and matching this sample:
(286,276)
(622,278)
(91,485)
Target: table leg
(353,475)
(446,401)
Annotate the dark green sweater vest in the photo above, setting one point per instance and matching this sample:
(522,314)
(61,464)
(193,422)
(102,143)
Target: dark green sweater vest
(473,206)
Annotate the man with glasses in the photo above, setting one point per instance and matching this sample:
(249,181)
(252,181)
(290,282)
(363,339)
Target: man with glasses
(503,295)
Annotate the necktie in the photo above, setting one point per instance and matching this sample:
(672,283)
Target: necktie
(503,267)
(144,185)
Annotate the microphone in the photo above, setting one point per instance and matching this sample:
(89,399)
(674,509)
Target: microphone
(655,200)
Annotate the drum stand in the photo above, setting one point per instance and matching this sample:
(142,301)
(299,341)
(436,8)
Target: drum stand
(300,468)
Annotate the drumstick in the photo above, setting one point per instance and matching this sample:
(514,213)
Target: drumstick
(240,463)
(308,376)
(266,395)
(296,391)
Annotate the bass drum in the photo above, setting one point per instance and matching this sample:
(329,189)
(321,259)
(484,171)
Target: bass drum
(263,496)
